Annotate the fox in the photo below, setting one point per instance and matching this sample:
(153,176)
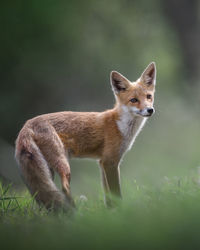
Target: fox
(46,142)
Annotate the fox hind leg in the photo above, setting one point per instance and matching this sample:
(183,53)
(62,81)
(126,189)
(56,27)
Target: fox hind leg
(55,155)
(37,177)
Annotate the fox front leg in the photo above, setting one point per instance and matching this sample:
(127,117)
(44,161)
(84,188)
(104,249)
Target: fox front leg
(111,181)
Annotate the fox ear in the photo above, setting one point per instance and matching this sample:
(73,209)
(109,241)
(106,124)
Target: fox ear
(119,82)
(149,75)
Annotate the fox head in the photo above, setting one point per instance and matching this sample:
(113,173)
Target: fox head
(137,97)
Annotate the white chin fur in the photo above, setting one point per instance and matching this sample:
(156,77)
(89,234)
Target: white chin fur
(136,111)
(144,112)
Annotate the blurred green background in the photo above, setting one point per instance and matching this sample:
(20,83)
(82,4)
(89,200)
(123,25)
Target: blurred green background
(57,55)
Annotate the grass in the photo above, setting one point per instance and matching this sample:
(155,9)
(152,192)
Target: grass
(165,217)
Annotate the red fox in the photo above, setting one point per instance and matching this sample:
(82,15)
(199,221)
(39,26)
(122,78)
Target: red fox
(46,142)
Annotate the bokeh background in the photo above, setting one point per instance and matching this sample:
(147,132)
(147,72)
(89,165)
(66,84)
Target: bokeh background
(57,55)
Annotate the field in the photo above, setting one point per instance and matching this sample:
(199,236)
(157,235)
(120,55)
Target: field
(148,218)
(161,197)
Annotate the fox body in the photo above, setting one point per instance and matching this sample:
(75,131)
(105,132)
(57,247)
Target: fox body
(46,142)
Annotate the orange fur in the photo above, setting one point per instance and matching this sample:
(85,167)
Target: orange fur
(46,142)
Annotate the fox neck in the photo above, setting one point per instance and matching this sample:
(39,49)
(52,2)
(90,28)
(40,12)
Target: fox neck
(129,125)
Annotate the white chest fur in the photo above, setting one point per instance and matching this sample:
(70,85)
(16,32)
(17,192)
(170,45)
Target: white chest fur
(129,125)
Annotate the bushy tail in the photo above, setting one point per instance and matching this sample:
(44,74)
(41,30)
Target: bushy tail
(36,173)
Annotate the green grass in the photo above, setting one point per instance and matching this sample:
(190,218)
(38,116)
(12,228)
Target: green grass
(164,217)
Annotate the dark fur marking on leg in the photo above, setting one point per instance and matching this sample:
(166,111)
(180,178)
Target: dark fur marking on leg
(26,153)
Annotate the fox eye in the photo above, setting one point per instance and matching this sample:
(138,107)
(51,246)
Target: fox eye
(134,100)
(149,96)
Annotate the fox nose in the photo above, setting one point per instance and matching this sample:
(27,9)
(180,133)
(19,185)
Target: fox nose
(150,110)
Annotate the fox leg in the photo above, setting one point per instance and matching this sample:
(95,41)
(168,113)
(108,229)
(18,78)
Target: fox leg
(54,152)
(63,169)
(107,198)
(111,180)
(61,166)
(104,180)
(36,174)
